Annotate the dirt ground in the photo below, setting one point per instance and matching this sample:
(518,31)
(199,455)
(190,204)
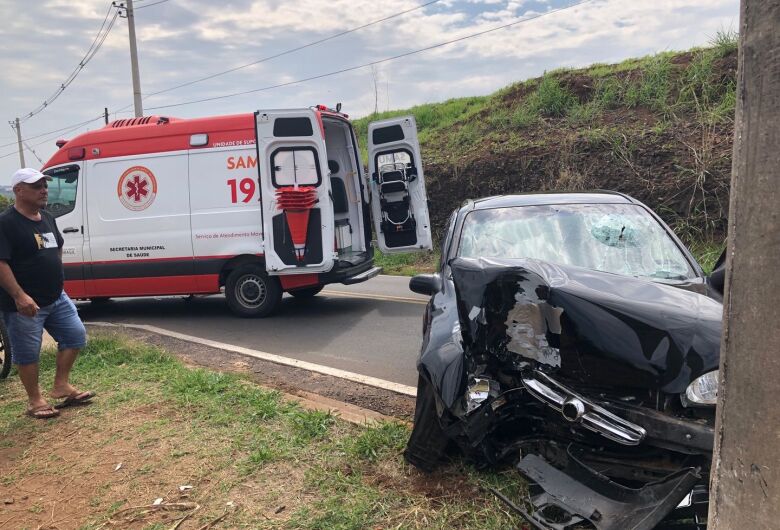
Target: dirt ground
(95,460)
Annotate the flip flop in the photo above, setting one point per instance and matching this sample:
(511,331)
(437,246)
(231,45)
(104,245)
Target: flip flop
(75,399)
(42,412)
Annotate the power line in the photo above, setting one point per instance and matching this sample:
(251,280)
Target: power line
(97,42)
(329,74)
(150,5)
(66,130)
(33,152)
(71,127)
(286,52)
(379,61)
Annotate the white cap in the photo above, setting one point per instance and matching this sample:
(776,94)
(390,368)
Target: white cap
(27,175)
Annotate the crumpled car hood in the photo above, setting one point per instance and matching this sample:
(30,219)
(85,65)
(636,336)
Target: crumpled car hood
(597,327)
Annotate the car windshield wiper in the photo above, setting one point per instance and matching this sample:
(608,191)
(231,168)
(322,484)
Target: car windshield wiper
(666,275)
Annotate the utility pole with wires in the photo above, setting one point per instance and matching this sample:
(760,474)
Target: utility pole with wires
(130,15)
(19,139)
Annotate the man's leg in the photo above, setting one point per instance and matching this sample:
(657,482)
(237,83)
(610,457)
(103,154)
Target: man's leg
(64,324)
(25,335)
(28,373)
(65,360)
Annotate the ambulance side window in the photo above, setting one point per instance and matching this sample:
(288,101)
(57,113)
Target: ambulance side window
(62,192)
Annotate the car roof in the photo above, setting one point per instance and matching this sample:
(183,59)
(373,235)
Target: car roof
(530,199)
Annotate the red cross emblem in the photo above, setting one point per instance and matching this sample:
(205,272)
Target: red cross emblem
(137,188)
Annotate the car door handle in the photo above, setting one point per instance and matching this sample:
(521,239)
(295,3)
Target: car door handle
(70,230)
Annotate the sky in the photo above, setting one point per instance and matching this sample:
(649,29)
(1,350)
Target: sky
(180,41)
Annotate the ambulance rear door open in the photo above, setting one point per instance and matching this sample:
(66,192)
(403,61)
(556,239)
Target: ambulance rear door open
(399,204)
(298,224)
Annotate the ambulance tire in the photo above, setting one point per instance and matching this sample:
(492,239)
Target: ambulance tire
(307,292)
(250,292)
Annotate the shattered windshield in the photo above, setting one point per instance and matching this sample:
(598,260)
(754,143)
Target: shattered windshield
(618,238)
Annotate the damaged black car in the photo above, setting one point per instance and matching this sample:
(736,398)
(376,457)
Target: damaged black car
(573,336)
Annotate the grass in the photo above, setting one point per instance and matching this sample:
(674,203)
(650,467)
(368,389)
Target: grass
(432,118)
(707,253)
(284,466)
(407,263)
(550,98)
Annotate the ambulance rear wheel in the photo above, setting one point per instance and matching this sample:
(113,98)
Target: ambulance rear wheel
(250,292)
(306,292)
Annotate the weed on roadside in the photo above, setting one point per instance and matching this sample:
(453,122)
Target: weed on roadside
(407,263)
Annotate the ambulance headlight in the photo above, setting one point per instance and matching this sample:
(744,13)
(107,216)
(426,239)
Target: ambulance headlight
(703,390)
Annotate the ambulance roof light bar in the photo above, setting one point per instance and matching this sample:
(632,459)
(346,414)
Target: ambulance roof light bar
(325,108)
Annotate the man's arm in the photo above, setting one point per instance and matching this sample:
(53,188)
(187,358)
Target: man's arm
(24,303)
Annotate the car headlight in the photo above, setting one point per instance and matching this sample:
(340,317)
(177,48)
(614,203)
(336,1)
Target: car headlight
(703,390)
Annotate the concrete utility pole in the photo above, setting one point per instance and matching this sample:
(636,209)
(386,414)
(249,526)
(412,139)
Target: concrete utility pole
(19,140)
(746,467)
(139,109)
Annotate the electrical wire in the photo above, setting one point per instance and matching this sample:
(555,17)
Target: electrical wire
(150,5)
(97,42)
(66,130)
(320,76)
(372,63)
(71,127)
(286,52)
(33,152)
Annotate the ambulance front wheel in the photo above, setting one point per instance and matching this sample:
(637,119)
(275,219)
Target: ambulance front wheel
(250,292)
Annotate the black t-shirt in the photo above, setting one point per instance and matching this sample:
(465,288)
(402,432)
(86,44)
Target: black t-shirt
(32,250)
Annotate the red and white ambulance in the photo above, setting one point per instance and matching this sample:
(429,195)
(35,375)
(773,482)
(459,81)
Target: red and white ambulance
(257,204)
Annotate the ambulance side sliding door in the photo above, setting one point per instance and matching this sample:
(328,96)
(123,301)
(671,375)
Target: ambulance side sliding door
(139,226)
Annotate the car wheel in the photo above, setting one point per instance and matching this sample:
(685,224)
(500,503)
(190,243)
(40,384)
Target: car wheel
(5,352)
(428,442)
(306,292)
(250,292)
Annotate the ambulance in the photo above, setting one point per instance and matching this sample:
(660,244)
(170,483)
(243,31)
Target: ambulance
(256,204)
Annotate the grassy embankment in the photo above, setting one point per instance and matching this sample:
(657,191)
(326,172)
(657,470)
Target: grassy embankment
(169,425)
(658,128)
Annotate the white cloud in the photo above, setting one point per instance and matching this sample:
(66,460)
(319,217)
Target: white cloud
(183,40)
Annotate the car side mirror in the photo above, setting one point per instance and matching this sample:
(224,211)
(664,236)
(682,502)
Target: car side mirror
(425,284)
(717,277)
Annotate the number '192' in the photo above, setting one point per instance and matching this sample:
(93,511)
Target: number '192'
(246,186)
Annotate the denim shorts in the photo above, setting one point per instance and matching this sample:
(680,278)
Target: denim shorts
(60,319)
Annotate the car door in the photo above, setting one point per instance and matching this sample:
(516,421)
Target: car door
(66,205)
(298,220)
(399,204)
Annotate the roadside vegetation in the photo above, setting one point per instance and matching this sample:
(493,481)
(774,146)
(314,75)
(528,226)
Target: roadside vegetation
(216,447)
(659,128)
(407,263)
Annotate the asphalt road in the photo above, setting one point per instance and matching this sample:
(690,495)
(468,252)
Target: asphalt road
(372,328)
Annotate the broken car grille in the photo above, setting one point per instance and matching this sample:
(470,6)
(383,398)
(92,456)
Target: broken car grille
(577,409)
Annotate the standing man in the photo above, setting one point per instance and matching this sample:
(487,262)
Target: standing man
(32,296)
